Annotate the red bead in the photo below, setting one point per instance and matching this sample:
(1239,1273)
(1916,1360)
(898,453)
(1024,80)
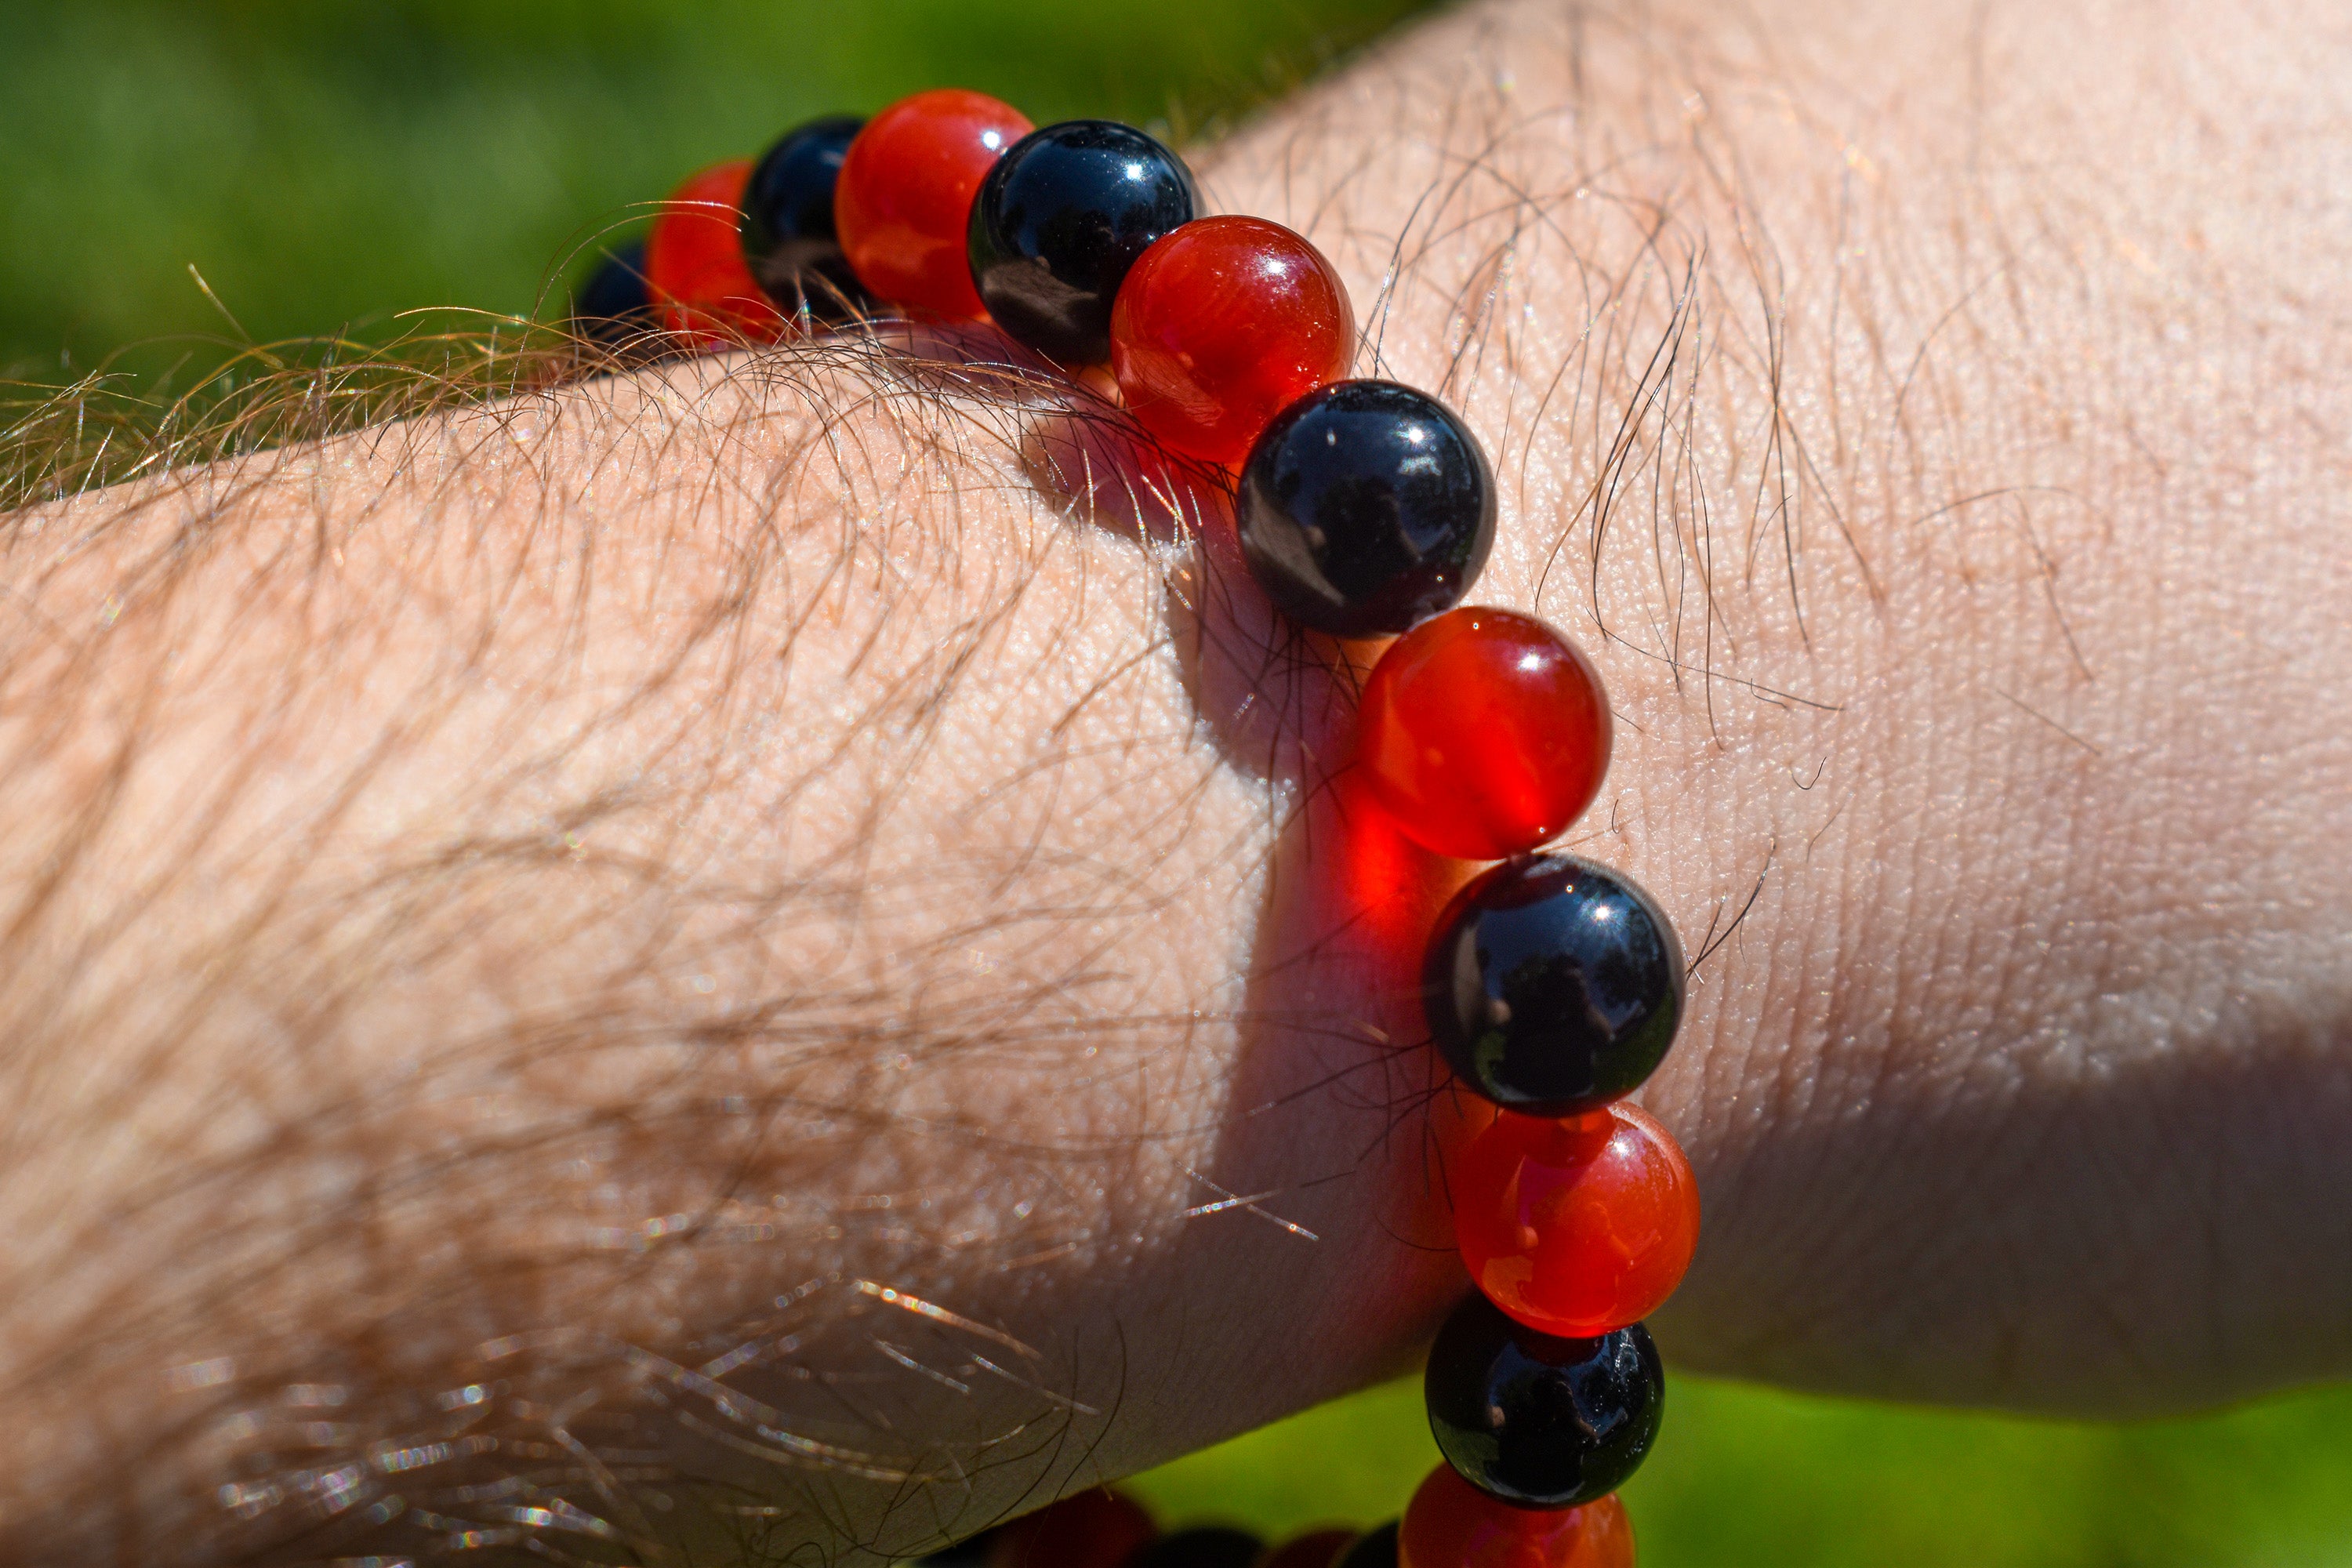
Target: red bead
(1315,1549)
(903,203)
(1095,1529)
(1484,732)
(1452,1524)
(1576,1226)
(695,269)
(1221,326)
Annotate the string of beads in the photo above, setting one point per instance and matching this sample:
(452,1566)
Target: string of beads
(1364,509)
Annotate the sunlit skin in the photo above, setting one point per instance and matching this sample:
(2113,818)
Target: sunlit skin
(1578,1226)
(904,199)
(1452,1524)
(1223,324)
(695,269)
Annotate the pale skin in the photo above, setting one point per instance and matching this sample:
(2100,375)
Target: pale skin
(688,965)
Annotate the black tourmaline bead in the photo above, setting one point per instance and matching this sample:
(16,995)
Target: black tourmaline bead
(787,235)
(1373,1548)
(1553,986)
(1538,1421)
(1058,222)
(1364,507)
(1206,1546)
(612,306)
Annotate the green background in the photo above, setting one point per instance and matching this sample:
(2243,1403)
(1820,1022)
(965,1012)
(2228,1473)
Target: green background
(327,165)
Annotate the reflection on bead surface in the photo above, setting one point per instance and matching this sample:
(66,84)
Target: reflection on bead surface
(1376,1548)
(1575,1227)
(904,201)
(788,235)
(1365,507)
(1205,1546)
(1553,986)
(1538,1421)
(694,262)
(1058,223)
(612,306)
(1093,1529)
(1221,326)
(1484,732)
(1452,1524)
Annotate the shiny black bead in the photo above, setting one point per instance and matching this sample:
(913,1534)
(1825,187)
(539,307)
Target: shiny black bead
(1364,507)
(1058,222)
(612,305)
(1206,1546)
(1375,1548)
(1553,986)
(1537,1421)
(788,235)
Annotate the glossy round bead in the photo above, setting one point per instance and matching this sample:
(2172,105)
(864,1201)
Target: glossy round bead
(1553,986)
(1315,1549)
(1203,1546)
(789,240)
(1094,1528)
(1452,1524)
(1579,1225)
(1058,223)
(1222,325)
(694,261)
(1484,733)
(612,306)
(1365,507)
(903,204)
(1538,1421)
(1376,1548)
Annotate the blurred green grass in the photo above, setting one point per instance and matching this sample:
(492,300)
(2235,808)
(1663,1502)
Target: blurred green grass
(1749,1478)
(326,165)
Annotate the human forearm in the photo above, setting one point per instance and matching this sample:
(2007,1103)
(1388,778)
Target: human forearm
(1836,402)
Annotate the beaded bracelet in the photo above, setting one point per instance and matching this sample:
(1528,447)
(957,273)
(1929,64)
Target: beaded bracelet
(1364,509)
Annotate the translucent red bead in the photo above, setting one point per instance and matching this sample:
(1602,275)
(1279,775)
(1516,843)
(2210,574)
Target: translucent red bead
(1094,1528)
(1452,1524)
(1484,733)
(903,203)
(695,269)
(1221,325)
(1575,1227)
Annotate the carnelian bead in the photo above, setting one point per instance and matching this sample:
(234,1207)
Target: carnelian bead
(1452,1524)
(1095,1529)
(903,203)
(694,261)
(1221,326)
(1484,732)
(1575,1227)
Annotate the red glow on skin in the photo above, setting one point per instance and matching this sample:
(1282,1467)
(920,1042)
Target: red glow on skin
(903,203)
(1452,1524)
(1484,732)
(1223,324)
(694,262)
(1579,1225)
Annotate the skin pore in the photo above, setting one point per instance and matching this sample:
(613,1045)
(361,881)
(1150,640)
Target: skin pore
(774,955)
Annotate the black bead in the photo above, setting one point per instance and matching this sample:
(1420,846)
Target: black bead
(1205,1546)
(612,306)
(1375,1548)
(1058,222)
(1537,1421)
(788,235)
(1553,986)
(1365,507)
